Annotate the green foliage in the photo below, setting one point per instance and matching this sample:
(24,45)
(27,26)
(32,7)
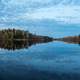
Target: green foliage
(14,34)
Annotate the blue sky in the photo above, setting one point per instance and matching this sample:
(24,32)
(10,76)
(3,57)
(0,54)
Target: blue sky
(55,18)
(62,11)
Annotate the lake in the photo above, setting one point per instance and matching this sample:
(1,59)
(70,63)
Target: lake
(46,61)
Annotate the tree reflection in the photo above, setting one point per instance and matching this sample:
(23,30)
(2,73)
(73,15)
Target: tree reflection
(19,44)
(71,39)
(12,39)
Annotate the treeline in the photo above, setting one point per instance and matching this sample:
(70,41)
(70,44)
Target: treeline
(71,39)
(17,39)
(14,34)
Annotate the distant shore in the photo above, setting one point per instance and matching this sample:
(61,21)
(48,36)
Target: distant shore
(21,35)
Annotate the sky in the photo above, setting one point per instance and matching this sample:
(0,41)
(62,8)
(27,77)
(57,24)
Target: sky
(61,11)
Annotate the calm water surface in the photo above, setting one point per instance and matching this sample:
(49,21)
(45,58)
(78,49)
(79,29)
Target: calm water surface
(49,61)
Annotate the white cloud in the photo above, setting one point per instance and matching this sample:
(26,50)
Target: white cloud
(43,9)
(59,13)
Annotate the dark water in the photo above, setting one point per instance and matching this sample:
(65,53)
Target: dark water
(47,61)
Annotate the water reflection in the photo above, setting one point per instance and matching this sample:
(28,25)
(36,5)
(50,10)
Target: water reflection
(19,44)
(22,72)
(73,42)
(71,39)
